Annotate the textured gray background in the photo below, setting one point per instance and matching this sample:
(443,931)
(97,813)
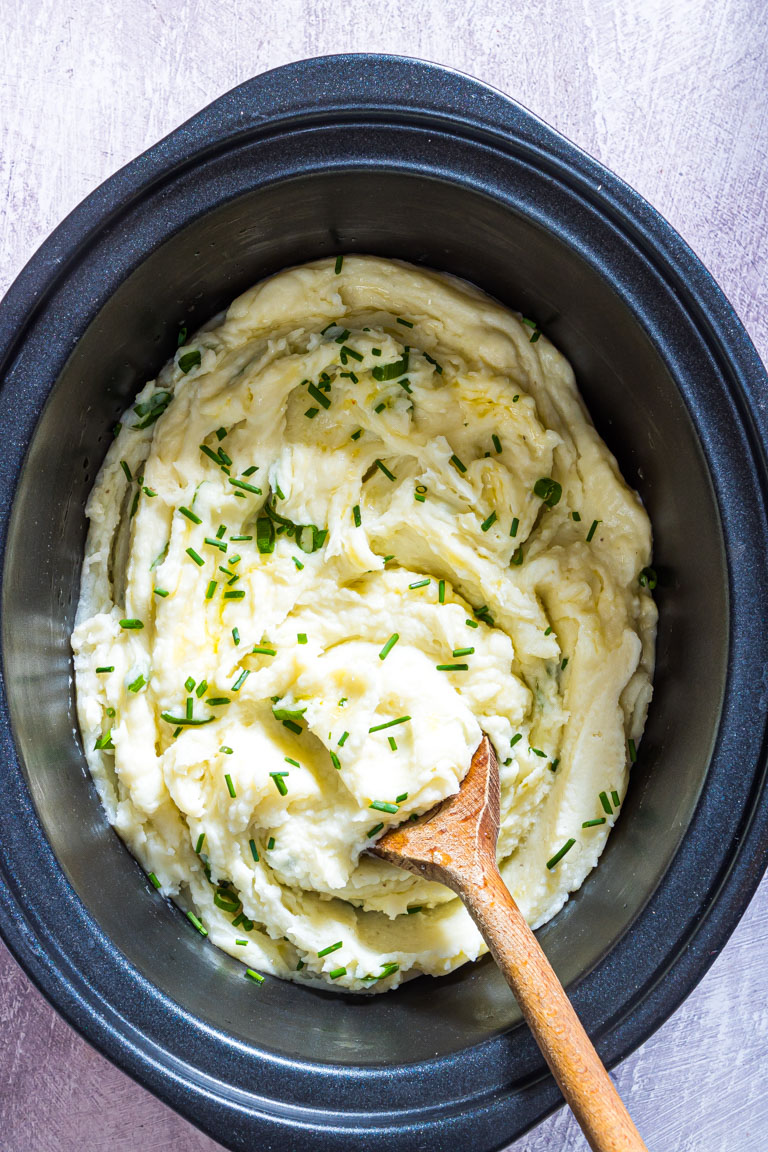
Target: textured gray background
(671,94)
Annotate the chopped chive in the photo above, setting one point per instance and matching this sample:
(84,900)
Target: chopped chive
(209,452)
(201,689)
(110,712)
(316,394)
(517,737)
(254,850)
(343,739)
(131,624)
(255,976)
(413,909)
(195,556)
(297,562)
(241,537)
(452,667)
(441,592)
(336,973)
(406,386)
(548,490)
(648,579)
(347,351)
(106,668)
(301,637)
(392,743)
(380,407)
(197,923)
(137,684)
(250,471)
(221,433)
(458,464)
(356,516)
(515,526)
(615,798)
(154,880)
(335,761)
(383,468)
(472,623)
(280,783)
(486,524)
(292,726)
(160,592)
(226,750)
(576,516)
(386,559)
(356,435)
(563,663)
(496,442)
(212,586)
(270,843)
(384,806)
(405,323)
(389,645)
(392,371)
(261,650)
(389,724)
(537,751)
(300,965)
(241,942)
(190,515)
(548,631)
(116,430)
(630,743)
(606,803)
(230,786)
(222,547)
(434,363)
(148,491)
(217,701)
(189,361)
(104,743)
(372,831)
(338,265)
(463,652)
(594,823)
(311,413)
(559,854)
(244,676)
(235,595)
(134,505)
(289,761)
(517,556)
(331,948)
(553,764)
(592,530)
(420,583)
(246,487)
(126,469)
(200,842)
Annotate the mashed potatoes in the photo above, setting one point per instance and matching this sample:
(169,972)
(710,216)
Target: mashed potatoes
(355,523)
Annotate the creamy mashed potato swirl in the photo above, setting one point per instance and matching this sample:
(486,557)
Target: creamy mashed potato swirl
(357,521)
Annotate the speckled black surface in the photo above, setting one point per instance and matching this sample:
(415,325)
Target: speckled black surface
(404,158)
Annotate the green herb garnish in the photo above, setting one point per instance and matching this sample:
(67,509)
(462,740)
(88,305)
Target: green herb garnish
(131,624)
(389,724)
(592,530)
(559,854)
(189,361)
(486,524)
(389,645)
(548,490)
(190,515)
(391,371)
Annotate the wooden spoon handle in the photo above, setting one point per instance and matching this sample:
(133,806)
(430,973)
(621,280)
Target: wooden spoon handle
(575,1064)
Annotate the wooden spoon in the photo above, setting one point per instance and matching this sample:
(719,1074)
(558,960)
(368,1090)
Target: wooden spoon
(455,844)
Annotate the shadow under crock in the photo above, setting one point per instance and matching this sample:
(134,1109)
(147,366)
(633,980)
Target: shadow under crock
(177,253)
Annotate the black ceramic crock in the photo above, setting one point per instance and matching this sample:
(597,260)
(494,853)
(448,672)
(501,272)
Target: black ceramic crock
(404,159)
